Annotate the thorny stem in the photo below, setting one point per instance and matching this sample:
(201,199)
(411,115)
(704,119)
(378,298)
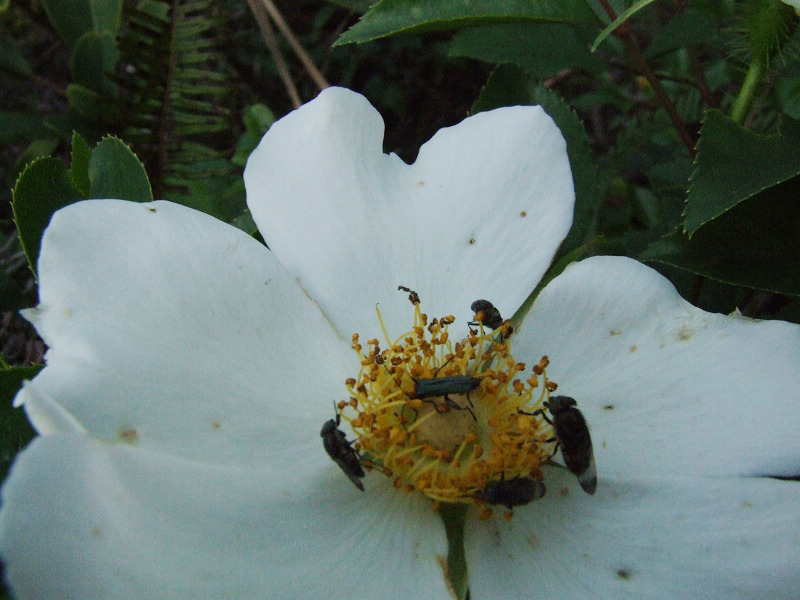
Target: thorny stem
(624,34)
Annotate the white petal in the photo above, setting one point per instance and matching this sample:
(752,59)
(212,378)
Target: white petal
(353,223)
(48,415)
(666,387)
(644,538)
(84,519)
(171,330)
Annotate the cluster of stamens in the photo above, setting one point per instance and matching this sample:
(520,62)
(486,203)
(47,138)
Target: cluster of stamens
(448,446)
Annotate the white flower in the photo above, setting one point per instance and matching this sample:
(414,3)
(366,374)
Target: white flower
(190,371)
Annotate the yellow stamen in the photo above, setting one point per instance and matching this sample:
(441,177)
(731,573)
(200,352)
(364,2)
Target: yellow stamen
(446,418)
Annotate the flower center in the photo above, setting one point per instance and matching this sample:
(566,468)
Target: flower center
(449,418)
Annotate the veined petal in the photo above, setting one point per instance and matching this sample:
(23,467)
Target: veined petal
(85,519)
(353,223)
(656,537)
(171,330)
(665,386)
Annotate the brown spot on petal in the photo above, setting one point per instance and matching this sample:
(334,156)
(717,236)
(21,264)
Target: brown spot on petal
(128,435)
(623,574)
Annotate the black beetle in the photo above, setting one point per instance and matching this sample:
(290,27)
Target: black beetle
(491,316)
(341,451)
(573,437)
(442,386)
(513,492)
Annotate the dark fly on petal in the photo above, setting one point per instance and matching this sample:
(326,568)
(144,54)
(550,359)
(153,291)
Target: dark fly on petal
(574,439)
(341,451)
(513,492)
(486,313)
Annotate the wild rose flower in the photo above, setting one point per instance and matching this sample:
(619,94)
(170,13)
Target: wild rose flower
(190,371)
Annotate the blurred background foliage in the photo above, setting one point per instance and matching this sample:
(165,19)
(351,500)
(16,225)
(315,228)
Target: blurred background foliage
(682,125)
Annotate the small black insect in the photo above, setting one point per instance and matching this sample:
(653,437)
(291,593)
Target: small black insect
(340,450)
(513,492)
(486,313)
(442,386)
(574,440)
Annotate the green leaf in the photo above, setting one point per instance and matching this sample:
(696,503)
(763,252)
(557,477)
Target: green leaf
(360,6)
(16,127)
(508,86)
(734,164)
(258,118)
(787,91)
(753,245)
(79,168)
(106,15)
(86,102)
(624,16)
(174,106)
(70,18)
(155,8)
(541,49)
(44,186)
(94,55)
(116,172)
(17,432)
(11,59)
(36,149)
(392,17)
(691,27)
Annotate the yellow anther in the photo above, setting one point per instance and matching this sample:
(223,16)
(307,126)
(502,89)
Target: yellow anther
(450,446)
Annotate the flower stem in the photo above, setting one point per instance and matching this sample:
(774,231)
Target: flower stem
(453,516)
(747,95)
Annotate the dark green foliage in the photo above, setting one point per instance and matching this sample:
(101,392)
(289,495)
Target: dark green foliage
(754,244)
(17,432)
(541,49)
(392,17)
(43,188)
(175,94)
(111,170)
(734,164)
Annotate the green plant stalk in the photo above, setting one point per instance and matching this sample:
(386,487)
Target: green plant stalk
(453,516)
(747,95)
